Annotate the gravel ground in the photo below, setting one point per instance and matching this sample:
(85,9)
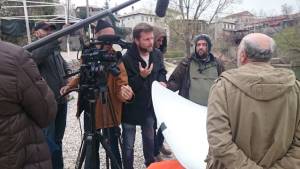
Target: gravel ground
(72,141)
(72,137)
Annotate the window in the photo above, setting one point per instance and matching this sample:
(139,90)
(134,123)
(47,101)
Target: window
(150,19)
(142,18)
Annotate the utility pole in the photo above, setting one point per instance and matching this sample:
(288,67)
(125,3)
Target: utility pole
(106,4)
(26,21)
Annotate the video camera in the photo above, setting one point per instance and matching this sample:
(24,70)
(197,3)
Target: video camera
(96,63)
(97,58)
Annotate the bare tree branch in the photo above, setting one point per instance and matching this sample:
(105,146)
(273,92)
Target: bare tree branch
(181,8)
(204,8)
(295,49)
(222,4)
(198,8)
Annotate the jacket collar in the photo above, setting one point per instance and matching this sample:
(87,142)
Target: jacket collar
(134,53)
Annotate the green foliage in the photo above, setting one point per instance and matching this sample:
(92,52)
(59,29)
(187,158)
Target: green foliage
(3,11)
(43,10)
(20,12)
(297,72)
(288,40)
(288,43)
(174,54)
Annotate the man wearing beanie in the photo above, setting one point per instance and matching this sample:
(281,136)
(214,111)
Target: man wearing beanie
(119,92)
(195,74)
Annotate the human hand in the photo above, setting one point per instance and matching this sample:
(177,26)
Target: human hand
(163,84)
(144,72)
(64,90)
(126,92)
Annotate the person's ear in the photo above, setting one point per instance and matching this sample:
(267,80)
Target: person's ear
(244,58)
(136,41)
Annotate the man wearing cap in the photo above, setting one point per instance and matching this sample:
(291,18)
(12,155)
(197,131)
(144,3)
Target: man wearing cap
(53,68)
(119,92)
(195,74)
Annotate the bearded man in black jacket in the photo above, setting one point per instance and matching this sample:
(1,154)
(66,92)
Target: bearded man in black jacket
(143,65)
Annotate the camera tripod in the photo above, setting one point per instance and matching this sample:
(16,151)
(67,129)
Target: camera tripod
(88,150)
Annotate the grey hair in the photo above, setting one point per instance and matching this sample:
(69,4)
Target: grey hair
(257,53)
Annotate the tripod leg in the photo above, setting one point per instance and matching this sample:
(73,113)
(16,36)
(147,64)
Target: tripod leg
(81,154)
(107,161)
(114,136)
(91,152)
(109,153)
(87,152)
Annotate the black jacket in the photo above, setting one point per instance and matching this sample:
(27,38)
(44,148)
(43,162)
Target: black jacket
(52,66)
(141,107)
(180,78)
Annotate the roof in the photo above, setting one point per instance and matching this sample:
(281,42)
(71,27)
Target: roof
(138,12)
(244,13)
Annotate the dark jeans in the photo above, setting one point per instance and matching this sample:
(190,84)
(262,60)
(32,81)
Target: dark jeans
(158,141)
(128,135)
(112,135)
(55,134)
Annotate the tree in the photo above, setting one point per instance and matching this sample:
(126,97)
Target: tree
(288,42)
(3,10)
(191,14)
(286,9)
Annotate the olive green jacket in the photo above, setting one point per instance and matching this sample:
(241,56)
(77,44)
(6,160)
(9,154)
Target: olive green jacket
(253,119)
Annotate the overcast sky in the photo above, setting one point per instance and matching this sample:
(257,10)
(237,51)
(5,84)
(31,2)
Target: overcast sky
(270,7)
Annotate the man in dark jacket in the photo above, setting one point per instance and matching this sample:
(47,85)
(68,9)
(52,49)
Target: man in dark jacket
(143,65)
(53,68)
(27,105)
(194,75)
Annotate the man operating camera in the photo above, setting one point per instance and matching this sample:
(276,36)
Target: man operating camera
(119,92)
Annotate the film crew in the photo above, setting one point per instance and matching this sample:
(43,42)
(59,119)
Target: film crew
(160,43)
(53,68)
(143,65)
(195,74)
(119,92)
(27,105)
(253,119)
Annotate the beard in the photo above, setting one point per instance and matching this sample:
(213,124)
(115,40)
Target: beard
(202,54)
(145,50)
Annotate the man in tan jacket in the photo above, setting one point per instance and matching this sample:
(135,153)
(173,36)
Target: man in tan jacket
(254,112)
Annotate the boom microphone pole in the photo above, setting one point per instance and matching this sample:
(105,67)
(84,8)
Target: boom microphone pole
(76,26)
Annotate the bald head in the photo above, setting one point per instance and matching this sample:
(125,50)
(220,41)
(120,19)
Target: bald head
(257,47)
